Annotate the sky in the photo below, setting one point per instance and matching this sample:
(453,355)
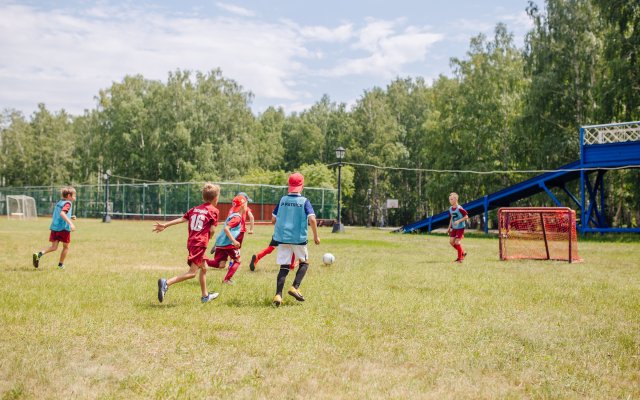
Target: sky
(288,53)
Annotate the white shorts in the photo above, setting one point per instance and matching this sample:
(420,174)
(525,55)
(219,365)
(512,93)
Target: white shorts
(285,251)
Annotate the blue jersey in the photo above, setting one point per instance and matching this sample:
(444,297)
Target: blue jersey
(222,240)
(292,213)
(57,223)
(457,214)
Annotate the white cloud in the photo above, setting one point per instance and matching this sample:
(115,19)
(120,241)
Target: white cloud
(243,12)
(389,51)
(63,58)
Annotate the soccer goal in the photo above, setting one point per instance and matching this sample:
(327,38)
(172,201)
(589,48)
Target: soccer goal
(21,207)
(541,233)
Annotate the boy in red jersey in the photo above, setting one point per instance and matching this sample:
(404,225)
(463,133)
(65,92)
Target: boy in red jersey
(61,227)
(203,220)
(227,243)
(458,216)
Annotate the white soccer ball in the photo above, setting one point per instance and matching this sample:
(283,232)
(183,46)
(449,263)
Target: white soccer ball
(328,258)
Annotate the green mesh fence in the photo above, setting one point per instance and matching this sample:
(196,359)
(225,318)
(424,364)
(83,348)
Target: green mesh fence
(165,200)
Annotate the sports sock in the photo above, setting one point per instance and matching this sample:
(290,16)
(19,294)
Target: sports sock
(302,270)
(282,276)
(232,270)
(264,252)
(459,249)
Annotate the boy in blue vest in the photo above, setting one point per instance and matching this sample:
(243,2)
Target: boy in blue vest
(458,216)
(227,243)
(61,227)
(292,216)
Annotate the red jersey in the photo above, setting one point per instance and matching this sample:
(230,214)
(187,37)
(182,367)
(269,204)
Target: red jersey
(200,218)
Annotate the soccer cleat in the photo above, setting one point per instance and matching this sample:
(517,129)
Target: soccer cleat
(464,255)
(36,260)
(296,294)
(162,289)
(459,260)
(228,282)
(209,297)
(277,300)
(60,266)
(252,264)
(213,250)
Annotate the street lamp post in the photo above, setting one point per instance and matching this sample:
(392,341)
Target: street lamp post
(106,217)
(340,151)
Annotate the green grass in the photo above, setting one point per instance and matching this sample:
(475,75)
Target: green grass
(394,317)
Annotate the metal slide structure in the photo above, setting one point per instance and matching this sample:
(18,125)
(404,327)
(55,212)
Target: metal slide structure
(602,147)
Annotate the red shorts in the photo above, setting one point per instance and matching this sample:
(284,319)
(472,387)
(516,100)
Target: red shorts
(223,255)
(60,236)
(457,233)
(240,238)
(196,255)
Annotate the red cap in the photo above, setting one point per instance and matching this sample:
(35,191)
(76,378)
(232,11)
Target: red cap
(296,182)
(237,202)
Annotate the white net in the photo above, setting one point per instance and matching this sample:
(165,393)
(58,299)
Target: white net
(21,207)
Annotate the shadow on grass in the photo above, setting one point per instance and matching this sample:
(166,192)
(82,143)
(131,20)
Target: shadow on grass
(156,306)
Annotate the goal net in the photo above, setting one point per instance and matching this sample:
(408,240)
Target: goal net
(542,233)
(21,207)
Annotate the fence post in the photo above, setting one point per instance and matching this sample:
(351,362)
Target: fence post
(164,209)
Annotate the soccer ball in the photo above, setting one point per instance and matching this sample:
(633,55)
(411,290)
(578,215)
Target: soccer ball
(328,258)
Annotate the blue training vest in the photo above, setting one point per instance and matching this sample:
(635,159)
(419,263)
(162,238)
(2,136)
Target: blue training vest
(222,240)
(457,215)
(57,223)
(291,221)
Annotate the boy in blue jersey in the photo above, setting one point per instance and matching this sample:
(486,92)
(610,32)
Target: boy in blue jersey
(458,216)
(61,227)
(292,215)
(227,242)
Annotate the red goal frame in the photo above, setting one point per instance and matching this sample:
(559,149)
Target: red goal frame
(519,228)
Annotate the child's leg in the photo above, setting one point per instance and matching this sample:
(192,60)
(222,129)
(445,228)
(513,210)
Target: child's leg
(458,247)
(268,250)
(188,275)
(203,279)
(302,270)
(63,253)
(282,277)
(53,247)
(232,270)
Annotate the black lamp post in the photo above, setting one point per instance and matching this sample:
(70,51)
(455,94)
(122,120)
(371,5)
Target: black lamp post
(106,217)
(340,151)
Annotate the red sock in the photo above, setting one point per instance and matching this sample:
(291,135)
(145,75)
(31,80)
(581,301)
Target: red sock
(459,248)
(232,270)
(264,252)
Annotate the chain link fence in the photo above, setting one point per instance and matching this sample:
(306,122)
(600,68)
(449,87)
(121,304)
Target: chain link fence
(166,200)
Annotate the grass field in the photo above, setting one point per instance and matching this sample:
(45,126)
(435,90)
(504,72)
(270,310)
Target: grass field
(394,317)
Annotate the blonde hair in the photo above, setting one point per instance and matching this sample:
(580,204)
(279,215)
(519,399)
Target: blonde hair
(454,194)
(67,191)
(210,192)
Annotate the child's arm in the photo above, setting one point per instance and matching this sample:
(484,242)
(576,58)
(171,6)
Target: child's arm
(230,236)
(449,227)
(159,227)
(314,228)
(250,215)
(66,219)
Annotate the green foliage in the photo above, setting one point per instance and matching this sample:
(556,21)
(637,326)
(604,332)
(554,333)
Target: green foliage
(503,108)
